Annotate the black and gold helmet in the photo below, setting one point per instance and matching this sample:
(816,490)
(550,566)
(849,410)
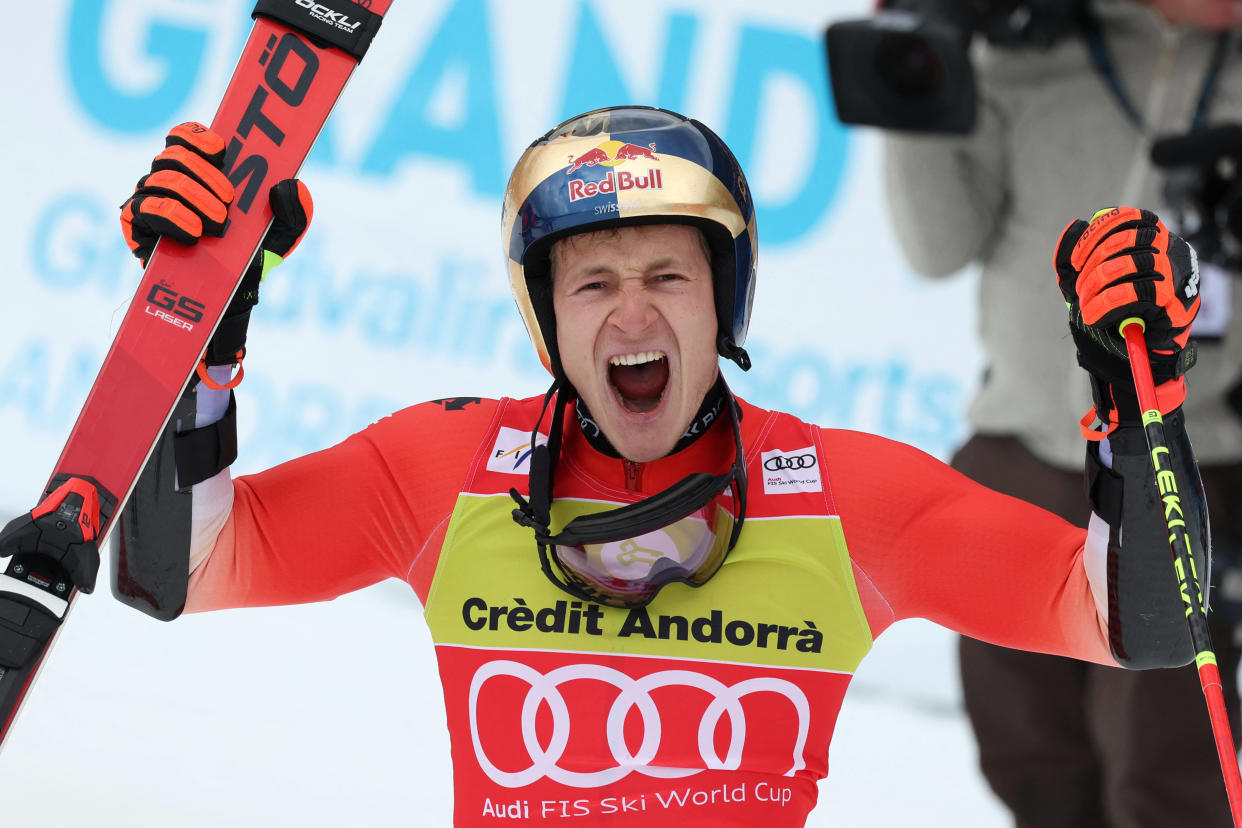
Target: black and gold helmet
(620,166)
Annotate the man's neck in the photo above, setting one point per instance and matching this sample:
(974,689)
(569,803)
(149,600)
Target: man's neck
(709,411)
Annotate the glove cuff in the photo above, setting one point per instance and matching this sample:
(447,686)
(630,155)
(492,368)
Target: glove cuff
(228,340)
(1116,406)
(1112,383)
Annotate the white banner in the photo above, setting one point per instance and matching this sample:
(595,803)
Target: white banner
(399,292)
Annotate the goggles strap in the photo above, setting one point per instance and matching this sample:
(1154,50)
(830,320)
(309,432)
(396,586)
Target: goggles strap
(740,482)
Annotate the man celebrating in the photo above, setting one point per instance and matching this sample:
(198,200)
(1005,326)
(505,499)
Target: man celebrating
(705,575)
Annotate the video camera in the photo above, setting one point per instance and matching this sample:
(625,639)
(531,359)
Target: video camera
(1203,191)
(908,68)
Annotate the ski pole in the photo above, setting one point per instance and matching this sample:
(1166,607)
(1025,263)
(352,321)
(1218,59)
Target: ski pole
(1188,580)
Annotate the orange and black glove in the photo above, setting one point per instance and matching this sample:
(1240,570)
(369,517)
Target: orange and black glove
(185,197)
(1125,264)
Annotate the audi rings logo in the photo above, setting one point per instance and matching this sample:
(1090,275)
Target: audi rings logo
(789,461)
(635,693)
(788,472)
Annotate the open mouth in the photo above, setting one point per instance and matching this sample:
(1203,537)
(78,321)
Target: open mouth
(639,380)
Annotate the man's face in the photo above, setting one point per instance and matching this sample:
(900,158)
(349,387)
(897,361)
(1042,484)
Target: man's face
(636,328)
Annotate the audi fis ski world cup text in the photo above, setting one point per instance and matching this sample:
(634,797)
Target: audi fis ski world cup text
(788,472)
(666,800)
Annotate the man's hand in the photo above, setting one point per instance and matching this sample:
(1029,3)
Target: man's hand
(291,214)
(1125,264)
(185,197)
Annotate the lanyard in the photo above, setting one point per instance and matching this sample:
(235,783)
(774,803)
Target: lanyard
(1102,58)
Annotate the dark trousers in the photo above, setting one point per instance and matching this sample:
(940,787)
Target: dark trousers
(1068,744)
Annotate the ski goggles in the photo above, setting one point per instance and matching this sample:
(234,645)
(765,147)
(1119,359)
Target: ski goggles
(623,557)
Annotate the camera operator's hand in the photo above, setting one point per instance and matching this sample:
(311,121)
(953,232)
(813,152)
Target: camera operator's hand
(1124,264)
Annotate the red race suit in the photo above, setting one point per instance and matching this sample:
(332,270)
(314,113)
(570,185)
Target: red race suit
(712,706)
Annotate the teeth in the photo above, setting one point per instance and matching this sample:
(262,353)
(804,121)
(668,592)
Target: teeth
(637,359)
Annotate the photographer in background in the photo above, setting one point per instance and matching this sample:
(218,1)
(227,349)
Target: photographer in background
(1061,114)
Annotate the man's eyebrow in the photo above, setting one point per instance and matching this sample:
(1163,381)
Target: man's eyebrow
(596,270)
(666,263)
(662,263)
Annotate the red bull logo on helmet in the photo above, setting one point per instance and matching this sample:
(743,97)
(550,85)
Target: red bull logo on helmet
(611,154)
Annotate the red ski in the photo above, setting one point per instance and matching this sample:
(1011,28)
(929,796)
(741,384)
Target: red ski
(293,67)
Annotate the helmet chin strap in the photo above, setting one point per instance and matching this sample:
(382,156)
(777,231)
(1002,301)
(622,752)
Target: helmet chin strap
(537,512)
(729,350)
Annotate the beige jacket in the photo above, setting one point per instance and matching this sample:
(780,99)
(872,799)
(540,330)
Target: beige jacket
(1052,144)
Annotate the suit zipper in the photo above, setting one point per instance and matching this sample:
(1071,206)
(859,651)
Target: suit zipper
(633,476)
